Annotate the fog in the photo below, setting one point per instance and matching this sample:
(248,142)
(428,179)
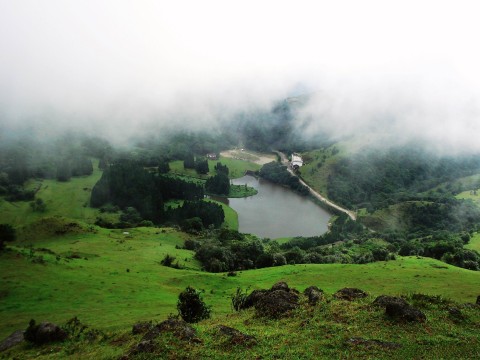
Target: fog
(385,72)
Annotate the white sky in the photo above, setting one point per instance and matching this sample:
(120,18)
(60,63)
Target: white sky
(113,63)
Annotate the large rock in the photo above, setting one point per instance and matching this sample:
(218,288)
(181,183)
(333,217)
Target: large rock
(384,300)
(276,304)
(44,333)
(404,312)
(314,294)
(350,294)
(253,298)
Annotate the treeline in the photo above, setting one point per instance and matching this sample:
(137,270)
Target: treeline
(127,184)
(376,179)
(347,242)
(278,174)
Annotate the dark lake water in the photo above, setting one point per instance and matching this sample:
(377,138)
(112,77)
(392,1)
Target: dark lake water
(277,212)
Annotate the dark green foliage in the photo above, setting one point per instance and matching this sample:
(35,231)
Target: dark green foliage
(7,234)
(168,261)
(128,184)
(18,193)
(64,170)
(131,217)
(163,167)
(376,179)
(239,299)
(201,166)
(209,213)
(278,173)
(191,306)
(219,168)
(189,161)
(38,205)
(218,184)
(192,225)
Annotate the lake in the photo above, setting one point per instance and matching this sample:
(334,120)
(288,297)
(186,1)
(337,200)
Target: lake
(277,211)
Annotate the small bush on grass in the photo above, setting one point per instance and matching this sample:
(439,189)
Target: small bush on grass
(191,306)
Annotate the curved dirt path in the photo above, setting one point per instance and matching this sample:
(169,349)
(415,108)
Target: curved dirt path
(315,194)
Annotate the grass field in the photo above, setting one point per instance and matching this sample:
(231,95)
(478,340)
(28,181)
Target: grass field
(69,198)
(114,280)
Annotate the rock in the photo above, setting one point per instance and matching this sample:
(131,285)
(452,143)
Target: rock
(44,333)
(142,327)
(15,338)
(350,294)
(282,285)
(478,300)
(146,346)
(404,312)
(384,300)
(373,342)
(253,298)
(236,336)
(277,303)
(314,294)
(455,313)
(179,328)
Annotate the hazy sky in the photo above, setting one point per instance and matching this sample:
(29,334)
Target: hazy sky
(395,67)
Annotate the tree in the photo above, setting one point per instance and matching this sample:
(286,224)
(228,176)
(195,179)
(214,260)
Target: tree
(7,234)
(191,307)
(189,161)
(218,184)
(38,205)
(201,166)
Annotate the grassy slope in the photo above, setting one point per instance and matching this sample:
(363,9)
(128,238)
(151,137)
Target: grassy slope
(103,294)
(474,243)
(317,177)
(69,198)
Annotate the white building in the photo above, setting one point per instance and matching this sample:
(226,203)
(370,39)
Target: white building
(296,161)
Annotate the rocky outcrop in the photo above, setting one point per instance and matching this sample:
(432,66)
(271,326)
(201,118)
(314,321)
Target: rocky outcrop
(314,294)
(350,294)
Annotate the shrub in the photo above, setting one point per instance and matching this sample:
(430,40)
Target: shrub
(191,307)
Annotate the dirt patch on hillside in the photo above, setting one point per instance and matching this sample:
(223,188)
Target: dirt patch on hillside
(256,158)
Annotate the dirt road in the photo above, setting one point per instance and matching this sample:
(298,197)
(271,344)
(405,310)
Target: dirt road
(315,194)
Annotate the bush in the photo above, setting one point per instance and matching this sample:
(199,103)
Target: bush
(191,307)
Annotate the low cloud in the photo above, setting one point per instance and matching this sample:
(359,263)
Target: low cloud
(383,72)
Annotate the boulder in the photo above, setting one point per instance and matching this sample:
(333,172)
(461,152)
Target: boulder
(236,337)
(314,294)
(404,312)
(384,300)
(277,303)
(281,285)
(253,298)
(350,294)
(44,333)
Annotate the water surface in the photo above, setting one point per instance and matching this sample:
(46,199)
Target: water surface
(277,211)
